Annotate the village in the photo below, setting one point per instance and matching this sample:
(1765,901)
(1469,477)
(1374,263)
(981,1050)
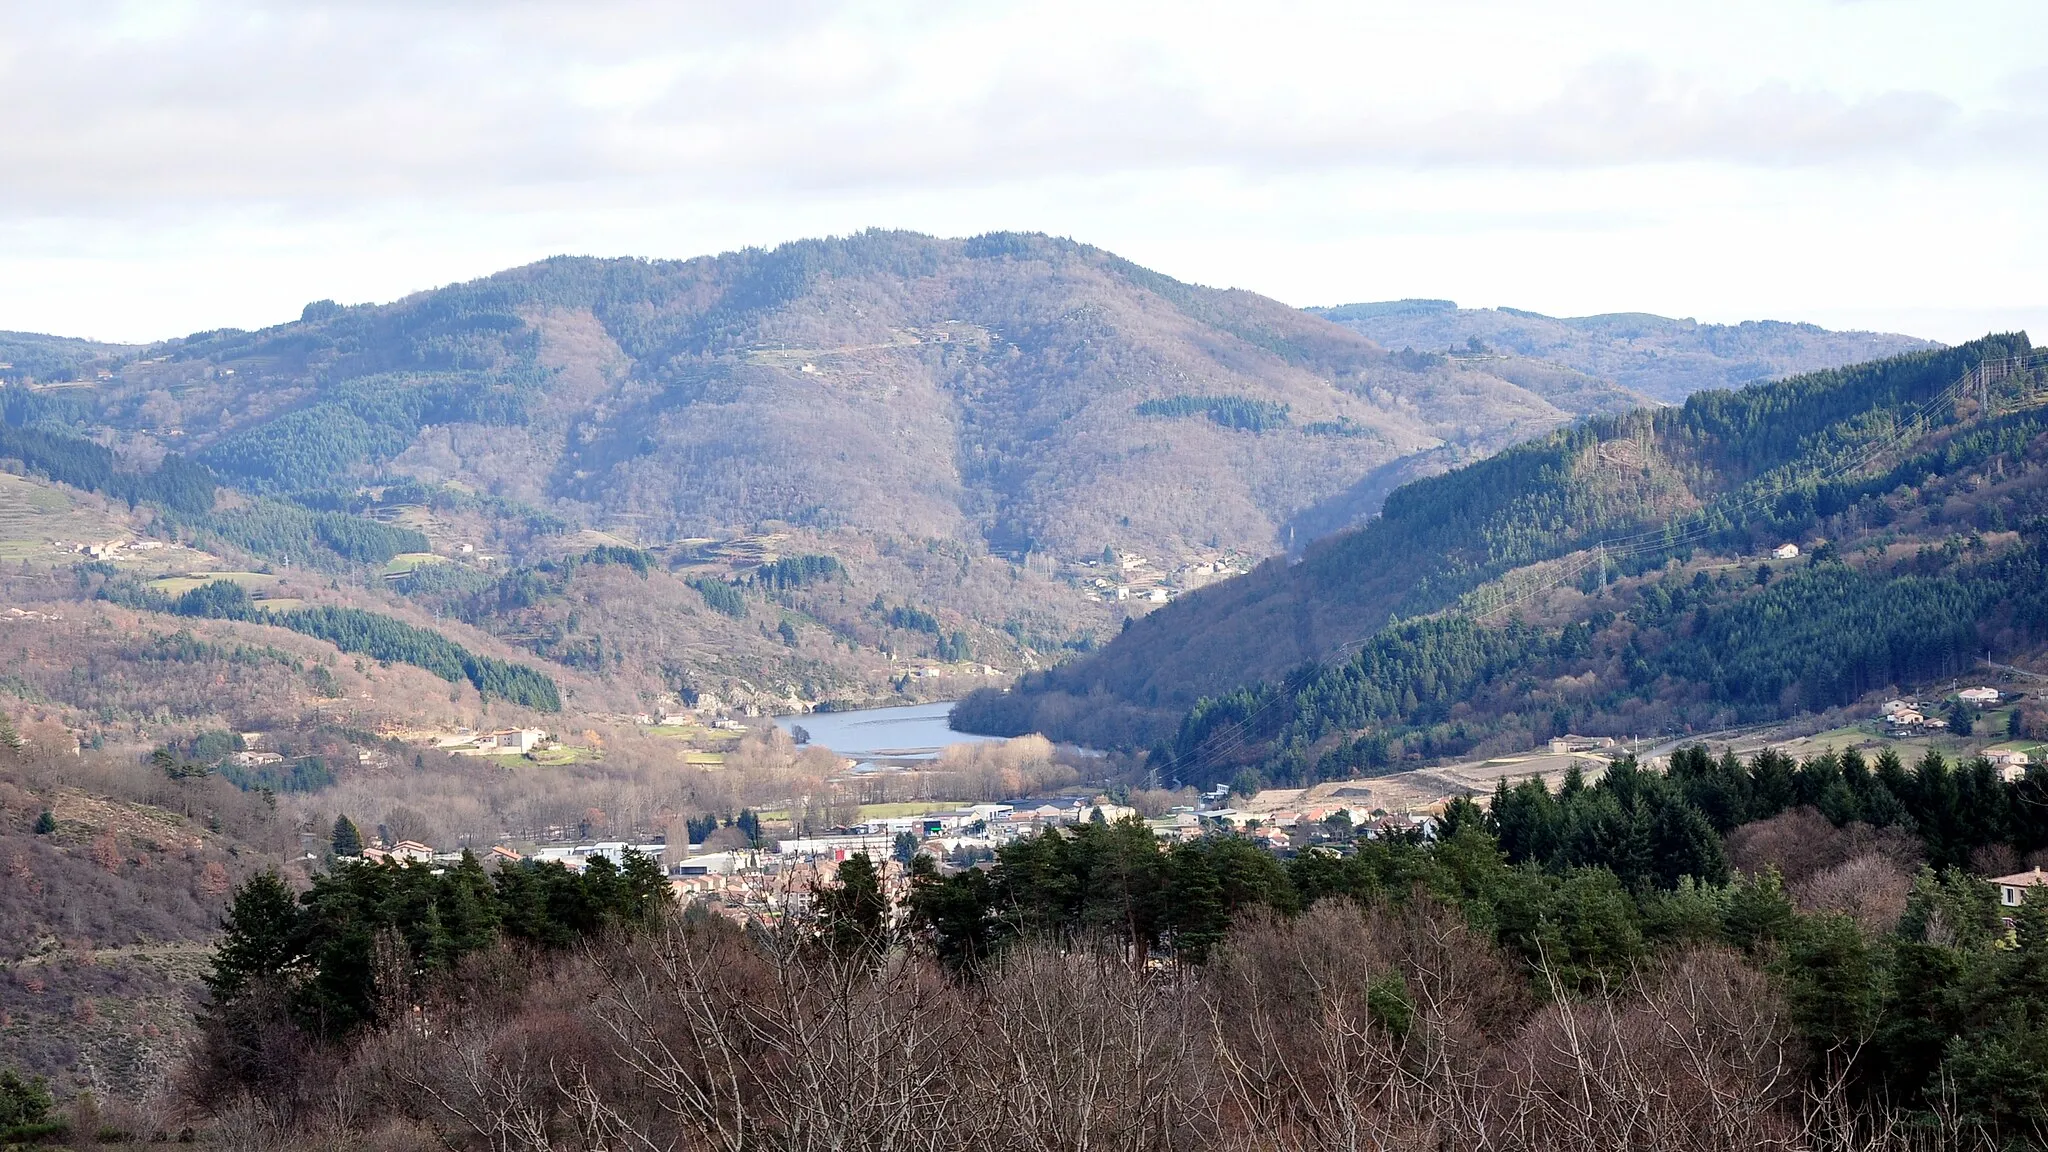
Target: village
(1118,578)
(757,877)
(764,881)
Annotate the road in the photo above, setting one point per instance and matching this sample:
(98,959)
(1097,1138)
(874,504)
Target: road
(2020,672)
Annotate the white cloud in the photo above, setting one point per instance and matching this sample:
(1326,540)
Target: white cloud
(178,165)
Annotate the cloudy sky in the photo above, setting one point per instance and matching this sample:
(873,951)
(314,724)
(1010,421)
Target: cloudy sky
(169,166)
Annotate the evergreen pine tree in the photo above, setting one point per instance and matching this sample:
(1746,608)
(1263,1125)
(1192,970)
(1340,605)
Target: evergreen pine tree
(46,823)
(259,937)
(855,910)
(1196,917)
(23,1103)
(347,841)
(646,889)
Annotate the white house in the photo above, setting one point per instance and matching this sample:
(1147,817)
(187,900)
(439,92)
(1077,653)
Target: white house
(1785,551)
(2012,890)
(1978,696)
(516,739)
(403,852)
(2011,765)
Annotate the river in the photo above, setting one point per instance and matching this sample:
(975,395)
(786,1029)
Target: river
(911,732)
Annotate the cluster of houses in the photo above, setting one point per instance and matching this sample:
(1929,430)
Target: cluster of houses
(1904,718)
(414,852)
(767,883)
(1134,578)
(106,549)
(1283,829)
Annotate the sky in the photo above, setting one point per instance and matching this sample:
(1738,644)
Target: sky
(170,166)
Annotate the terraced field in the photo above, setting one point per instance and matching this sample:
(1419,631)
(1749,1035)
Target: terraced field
(34,515)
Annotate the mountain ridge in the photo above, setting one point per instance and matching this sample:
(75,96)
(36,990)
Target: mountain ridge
(1024,439)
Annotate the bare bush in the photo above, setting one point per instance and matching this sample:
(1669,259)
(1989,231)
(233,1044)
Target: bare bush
(1867,888)
(1694,1055)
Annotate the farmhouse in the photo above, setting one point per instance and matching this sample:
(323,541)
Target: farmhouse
(2013,889)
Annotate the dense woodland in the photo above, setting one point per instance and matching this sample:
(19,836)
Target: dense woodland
(1863,456)
(379,637)
(1710,649)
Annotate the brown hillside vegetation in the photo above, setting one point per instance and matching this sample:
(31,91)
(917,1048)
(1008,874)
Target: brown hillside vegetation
(107,917)
(1349,1027)
(1020,438)
(981,390)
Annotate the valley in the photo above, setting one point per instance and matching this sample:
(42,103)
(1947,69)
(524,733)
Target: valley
(1012,443)
(622,566)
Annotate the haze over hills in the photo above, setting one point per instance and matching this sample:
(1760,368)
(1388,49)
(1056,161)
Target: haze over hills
(1659,357)
(1920,476)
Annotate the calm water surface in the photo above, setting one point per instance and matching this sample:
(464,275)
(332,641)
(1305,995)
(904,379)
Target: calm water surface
(912,732)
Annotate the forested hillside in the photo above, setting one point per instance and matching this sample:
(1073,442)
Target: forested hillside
(1656,356)
(1019,392)
(1016,438)
(1630,546)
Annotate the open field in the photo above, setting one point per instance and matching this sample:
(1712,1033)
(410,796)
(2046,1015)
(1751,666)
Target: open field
(904,808)
(695,733)
(181,584)
(1869,739)
(407,561)
(550,757)
(1423,788)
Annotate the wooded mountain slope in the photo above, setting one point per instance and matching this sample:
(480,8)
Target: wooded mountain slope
(987,390)
(1660,357)
(1830,456)
(969,427)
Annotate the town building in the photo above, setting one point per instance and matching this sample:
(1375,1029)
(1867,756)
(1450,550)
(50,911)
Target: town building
(2011,765)
(2013,889)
